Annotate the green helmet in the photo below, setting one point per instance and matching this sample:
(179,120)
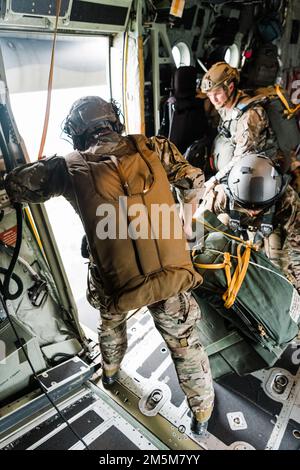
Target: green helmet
(219,74)
(255,183)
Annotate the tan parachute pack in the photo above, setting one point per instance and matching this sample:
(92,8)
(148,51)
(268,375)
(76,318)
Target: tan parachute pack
(141,271)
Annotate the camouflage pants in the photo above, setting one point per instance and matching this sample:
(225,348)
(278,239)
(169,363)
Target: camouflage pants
(175,319)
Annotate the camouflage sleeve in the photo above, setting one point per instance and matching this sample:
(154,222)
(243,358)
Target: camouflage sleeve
(290,260)
(251,136)
(251,131)
(39,181)
(214,201)
(183,176)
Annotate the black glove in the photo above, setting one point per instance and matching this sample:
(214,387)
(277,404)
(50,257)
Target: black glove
(85,252)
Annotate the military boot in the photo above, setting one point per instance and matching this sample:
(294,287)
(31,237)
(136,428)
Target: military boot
(109,377)
(199,428)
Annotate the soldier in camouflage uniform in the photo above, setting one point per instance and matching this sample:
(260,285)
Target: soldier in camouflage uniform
(257,203)
(94,124)
(238,132)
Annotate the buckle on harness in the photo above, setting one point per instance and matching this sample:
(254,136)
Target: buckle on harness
(224,132)
(234,224)
(266,229)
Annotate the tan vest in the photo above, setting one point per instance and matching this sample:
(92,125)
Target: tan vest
(134,272)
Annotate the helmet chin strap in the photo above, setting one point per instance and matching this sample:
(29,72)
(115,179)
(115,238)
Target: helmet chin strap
(264,229)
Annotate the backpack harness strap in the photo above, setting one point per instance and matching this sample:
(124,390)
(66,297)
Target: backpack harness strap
(288,112)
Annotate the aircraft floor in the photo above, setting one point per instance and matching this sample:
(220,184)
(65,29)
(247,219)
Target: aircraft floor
(250,412)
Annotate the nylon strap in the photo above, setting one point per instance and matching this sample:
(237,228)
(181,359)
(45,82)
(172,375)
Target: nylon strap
(50,80)
(234,282)
(289,112)
(224,343)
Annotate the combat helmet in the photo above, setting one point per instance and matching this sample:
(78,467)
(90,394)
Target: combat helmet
(254,182)
(219,74)
(90,113)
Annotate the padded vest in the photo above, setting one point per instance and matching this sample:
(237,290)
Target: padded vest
(133,272)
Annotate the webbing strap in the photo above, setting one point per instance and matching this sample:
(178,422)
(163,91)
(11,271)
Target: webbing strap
(234,282)
(289,112)
(228,235)
(50,80)
(224,343)
(238,277)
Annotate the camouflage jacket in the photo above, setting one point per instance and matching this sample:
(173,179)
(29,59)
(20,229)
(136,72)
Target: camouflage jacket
(286,225)
(39,181)
(241,133)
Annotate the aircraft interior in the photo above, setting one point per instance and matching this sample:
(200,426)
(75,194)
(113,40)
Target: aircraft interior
(146,55)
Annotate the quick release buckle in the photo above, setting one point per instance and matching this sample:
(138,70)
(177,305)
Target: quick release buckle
(234,224)
(223,131)
(266,229)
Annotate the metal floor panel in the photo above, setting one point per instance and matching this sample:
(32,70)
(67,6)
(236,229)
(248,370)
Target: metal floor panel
(251,412)
(291,438)
(48,426)
(112,439)
(65,438)
(96,420)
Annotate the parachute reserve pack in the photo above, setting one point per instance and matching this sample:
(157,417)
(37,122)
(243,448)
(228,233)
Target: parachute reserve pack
(134,271)
(263,317)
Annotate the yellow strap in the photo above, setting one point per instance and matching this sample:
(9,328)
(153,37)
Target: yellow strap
(238,277)
(240,240)
(211,266)
(125,78)
(289,112)
(235,282)
(226,265)
(34,230)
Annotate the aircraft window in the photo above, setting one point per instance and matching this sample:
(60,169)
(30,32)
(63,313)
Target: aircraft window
(181,54)
(81,68)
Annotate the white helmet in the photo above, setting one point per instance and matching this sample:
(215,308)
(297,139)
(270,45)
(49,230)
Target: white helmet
(254,182)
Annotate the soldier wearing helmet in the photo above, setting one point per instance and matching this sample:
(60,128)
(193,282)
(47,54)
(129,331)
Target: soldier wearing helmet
(239,132)
(257,202)
(90,117)
(96,131)
(220,84)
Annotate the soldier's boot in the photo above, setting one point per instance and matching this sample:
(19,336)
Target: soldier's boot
(199,428)
(109,377)
(199,422)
